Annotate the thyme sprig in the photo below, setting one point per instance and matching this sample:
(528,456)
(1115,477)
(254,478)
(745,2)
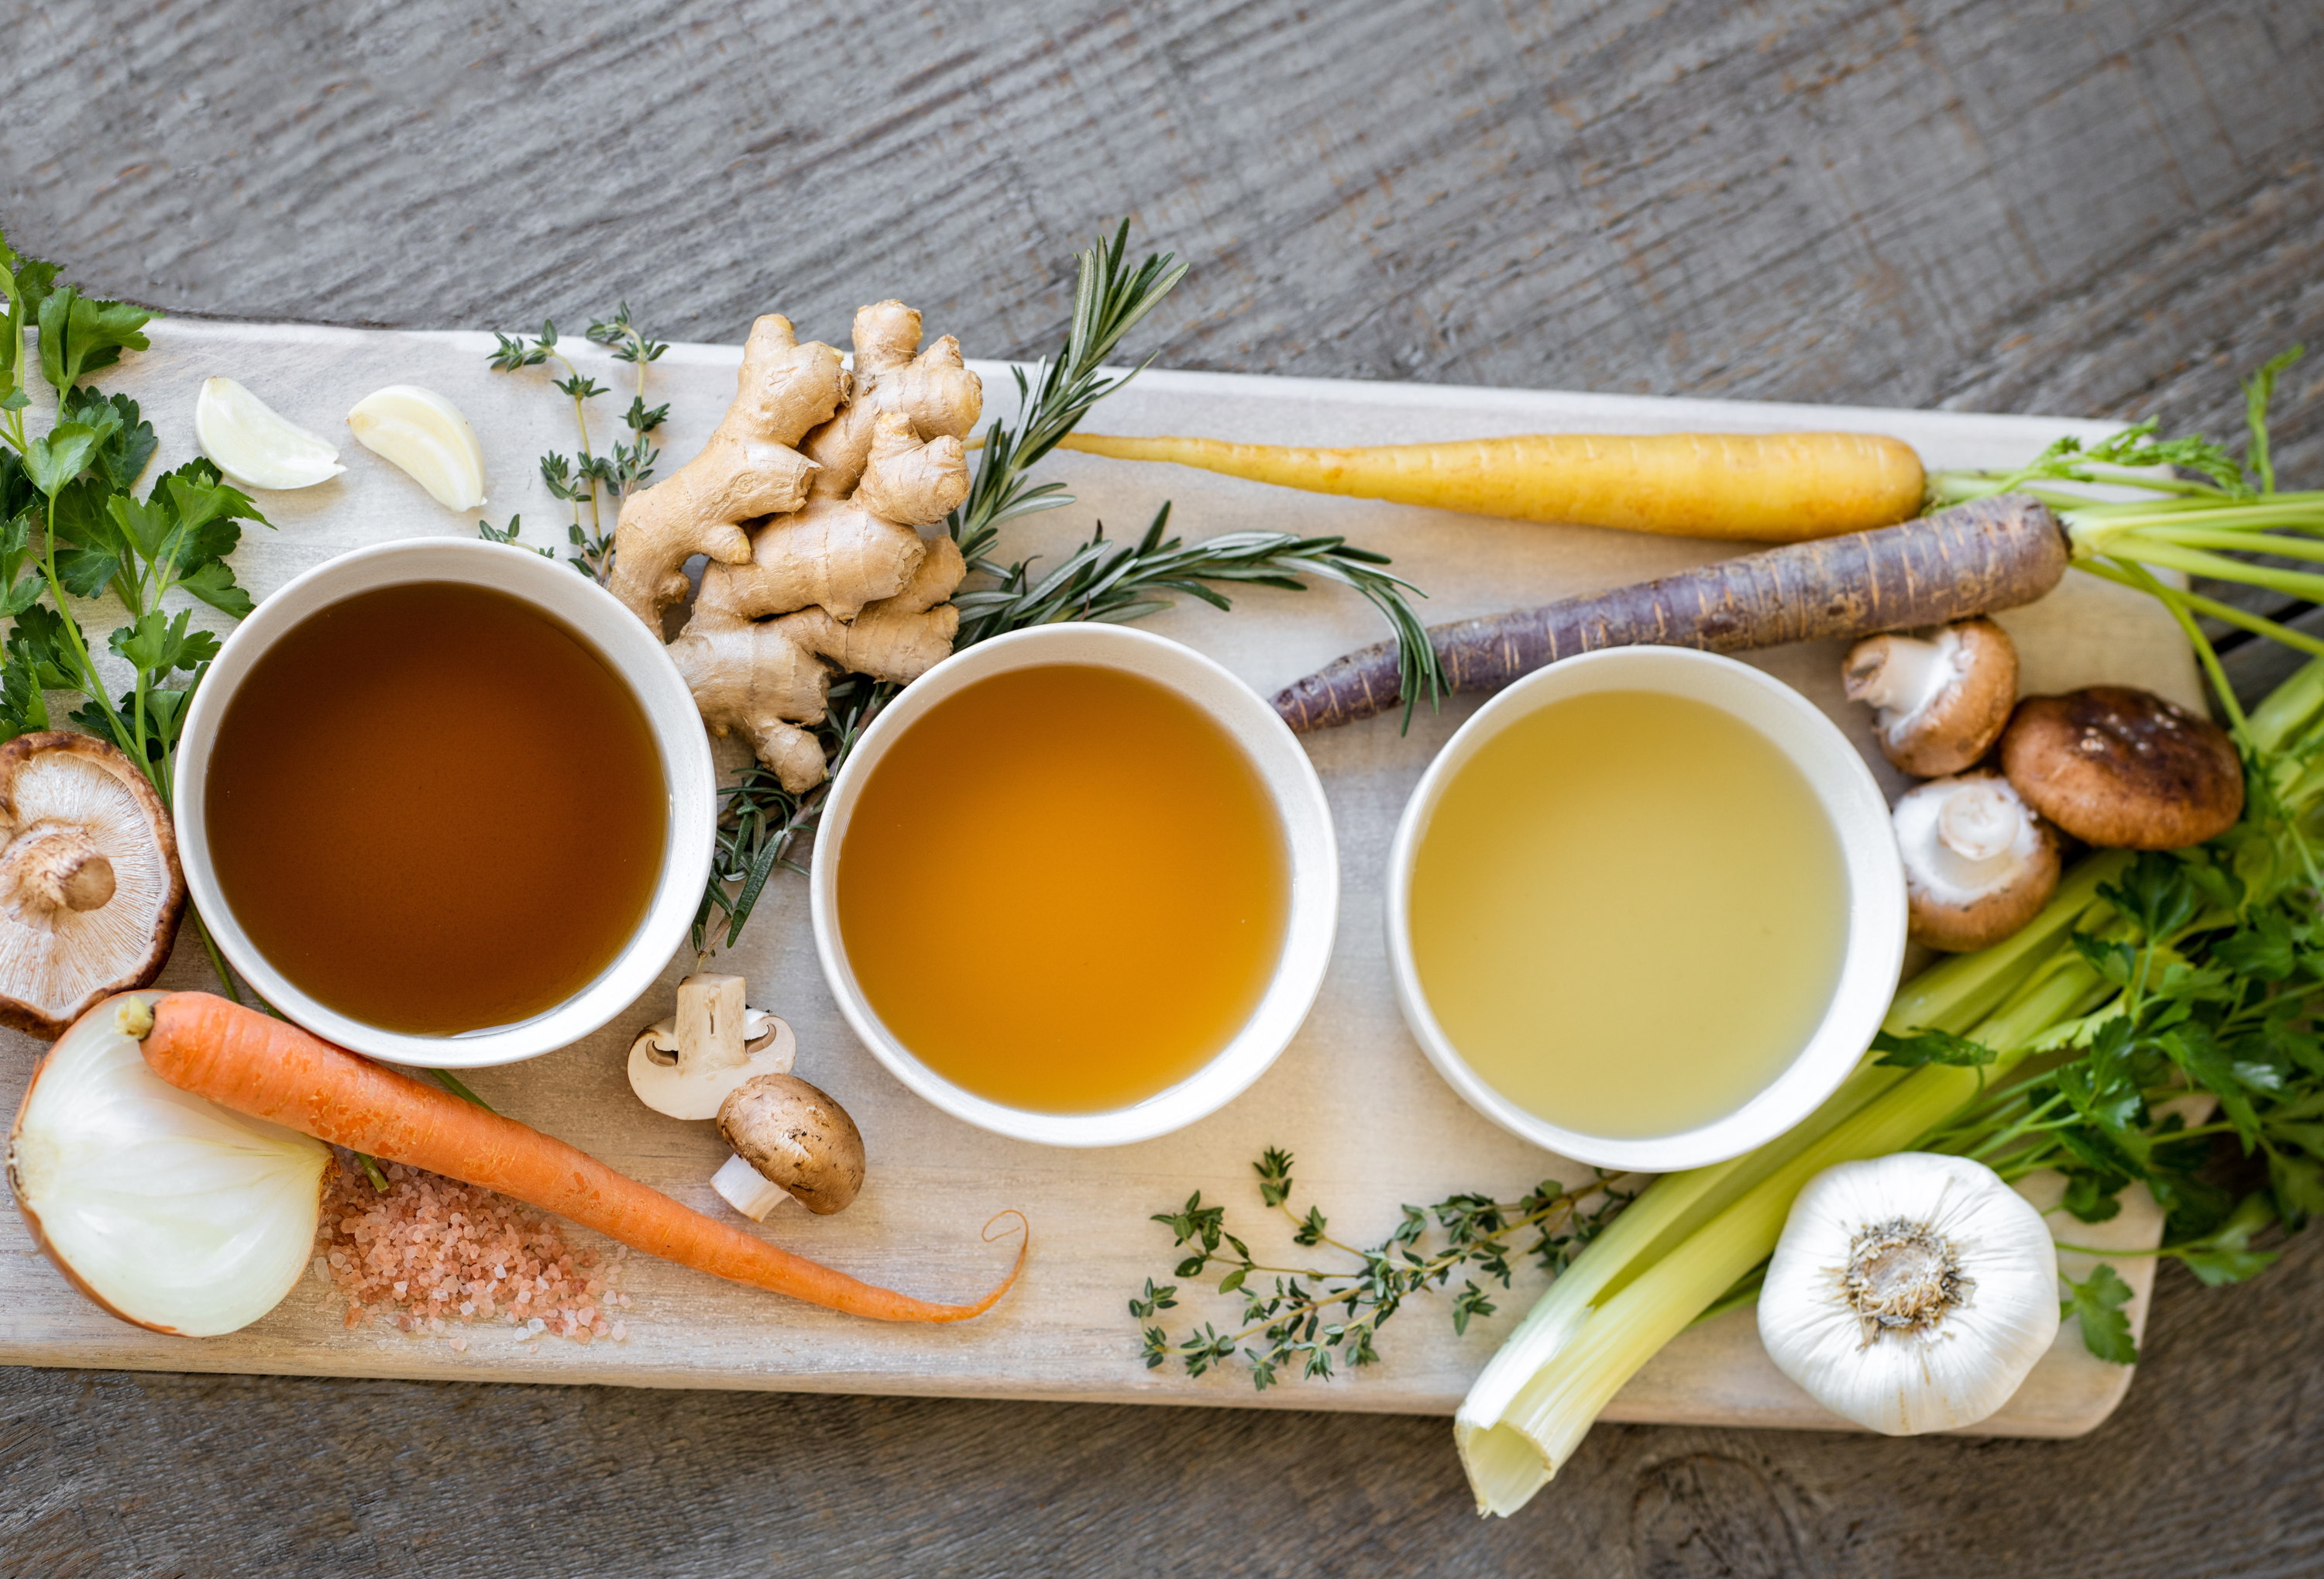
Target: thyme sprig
(587,478)
(1292,1318)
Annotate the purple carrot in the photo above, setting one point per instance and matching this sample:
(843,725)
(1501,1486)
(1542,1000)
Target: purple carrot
(1989,554)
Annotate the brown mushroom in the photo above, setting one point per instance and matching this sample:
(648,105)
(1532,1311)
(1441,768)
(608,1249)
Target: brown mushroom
(1978,863)
(90,890)
(1942,695)
(789,1139)
(2124,769)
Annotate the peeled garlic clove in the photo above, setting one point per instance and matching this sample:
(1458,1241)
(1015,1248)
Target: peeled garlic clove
(255,445)
(424,434)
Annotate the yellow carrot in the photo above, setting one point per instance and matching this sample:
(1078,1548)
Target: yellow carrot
(1762,487)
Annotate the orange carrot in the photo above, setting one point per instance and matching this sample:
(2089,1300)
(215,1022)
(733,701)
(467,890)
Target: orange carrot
(242,1059)
(1763,487)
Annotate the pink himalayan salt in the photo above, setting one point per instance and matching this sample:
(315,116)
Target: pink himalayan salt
(430,1251)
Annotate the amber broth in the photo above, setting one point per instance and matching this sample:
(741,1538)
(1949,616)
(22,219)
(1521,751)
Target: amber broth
(1627,913)
(435,808)
(1064,889)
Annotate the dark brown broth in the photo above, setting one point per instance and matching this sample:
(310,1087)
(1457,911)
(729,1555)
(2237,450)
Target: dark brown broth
(435,808)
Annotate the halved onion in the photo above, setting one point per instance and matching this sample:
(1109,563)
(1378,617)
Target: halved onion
(166,1209)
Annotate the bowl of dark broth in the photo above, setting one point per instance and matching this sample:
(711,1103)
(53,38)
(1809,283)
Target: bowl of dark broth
(446,803)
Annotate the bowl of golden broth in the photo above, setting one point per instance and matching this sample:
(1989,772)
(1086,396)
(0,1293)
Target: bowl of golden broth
(1076,885)
(1645,909)
(445,802)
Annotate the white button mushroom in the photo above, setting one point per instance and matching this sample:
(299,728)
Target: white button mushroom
(1910,1293)
(687,1065)
(90,892)
(1944,697)
(1979,865)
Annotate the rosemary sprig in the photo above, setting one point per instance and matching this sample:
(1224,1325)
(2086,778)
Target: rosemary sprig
(1118,582)
(1108,301)
(759,823)
(588,478)
(1292,1320)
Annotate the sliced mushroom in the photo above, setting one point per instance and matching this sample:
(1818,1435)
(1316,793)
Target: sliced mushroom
(1978,863)
(686,1065)
(1943,696)
(2124,769)
(90,892)
(791,1139)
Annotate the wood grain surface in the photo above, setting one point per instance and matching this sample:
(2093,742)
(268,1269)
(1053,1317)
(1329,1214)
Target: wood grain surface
(1999,205)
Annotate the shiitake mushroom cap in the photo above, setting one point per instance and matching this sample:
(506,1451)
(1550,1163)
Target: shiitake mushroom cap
(2124,769)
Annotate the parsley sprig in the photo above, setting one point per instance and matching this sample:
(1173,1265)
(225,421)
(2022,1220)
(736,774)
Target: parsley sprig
(73,529)
(2215,957)
(1312,1317)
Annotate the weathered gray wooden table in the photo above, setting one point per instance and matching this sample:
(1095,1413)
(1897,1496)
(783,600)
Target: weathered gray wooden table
(2034,206)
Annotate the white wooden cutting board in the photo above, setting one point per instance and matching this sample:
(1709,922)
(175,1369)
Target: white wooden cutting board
(1371,1124)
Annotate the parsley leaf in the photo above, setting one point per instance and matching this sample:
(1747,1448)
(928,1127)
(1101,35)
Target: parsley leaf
(1930,1046)
(81,335)
(2097,1304)
(2226,1256)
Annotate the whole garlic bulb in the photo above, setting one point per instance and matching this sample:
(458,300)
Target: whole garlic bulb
(1911,1293)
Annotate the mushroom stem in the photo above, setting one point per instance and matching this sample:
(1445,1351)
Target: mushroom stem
(1980,820)
(746,1189)
(58,870)
(1900,674)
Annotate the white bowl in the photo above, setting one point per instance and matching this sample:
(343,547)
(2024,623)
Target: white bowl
(1858,815)
(1291,786)
(628,648)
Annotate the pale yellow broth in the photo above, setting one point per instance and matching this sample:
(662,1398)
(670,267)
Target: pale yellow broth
(1628,912)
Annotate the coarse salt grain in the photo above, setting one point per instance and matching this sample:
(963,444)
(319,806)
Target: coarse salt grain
(409,1254)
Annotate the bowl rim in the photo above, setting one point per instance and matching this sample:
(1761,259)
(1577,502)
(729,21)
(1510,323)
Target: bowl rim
(1853,804)
(1293,787)
(627,647)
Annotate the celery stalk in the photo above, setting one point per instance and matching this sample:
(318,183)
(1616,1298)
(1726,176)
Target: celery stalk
(1513,1440)
(1690,1237)
(1954,996)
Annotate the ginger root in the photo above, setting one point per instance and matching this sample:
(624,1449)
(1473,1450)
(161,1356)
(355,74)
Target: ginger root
(751,467)
(838,573)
